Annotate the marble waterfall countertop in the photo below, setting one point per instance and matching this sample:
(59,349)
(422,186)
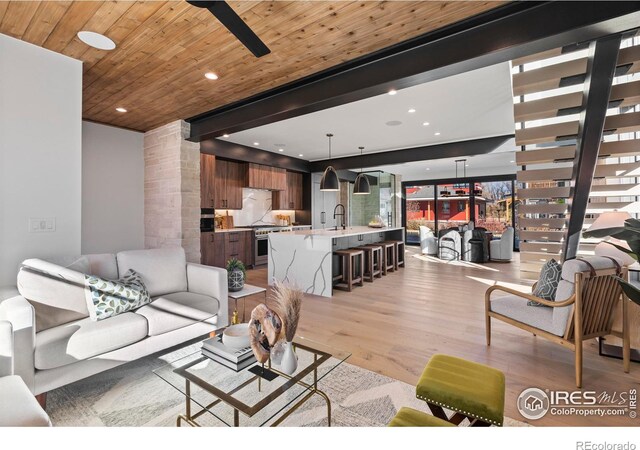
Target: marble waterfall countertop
(305,258)
(349,231)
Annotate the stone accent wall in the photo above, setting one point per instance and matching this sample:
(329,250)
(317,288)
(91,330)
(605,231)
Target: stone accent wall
(172,189)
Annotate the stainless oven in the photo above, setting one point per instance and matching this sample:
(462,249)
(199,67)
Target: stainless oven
(262,249)
(262,243)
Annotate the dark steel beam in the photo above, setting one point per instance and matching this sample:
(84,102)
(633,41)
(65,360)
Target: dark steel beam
(423,153)
(512,31)
(238,152)
(601,65)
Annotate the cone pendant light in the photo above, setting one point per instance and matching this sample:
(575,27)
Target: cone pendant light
(361,186)
(329,181)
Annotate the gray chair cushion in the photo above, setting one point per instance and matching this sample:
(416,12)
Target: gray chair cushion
(180,309)
(163,270)
(77,341)
(516,308)
(19,408)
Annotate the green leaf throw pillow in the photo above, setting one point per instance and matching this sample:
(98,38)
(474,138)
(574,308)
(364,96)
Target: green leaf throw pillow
(108,298)
(547,286)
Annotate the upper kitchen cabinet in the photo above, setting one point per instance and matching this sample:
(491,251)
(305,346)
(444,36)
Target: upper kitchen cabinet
(291,197)
(207,180)
(266,177)
(227,181)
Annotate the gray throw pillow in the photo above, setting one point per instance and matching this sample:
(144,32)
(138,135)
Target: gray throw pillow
(547,286)
(107,298)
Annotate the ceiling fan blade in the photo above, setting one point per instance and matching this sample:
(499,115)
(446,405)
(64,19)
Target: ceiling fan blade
(228,17)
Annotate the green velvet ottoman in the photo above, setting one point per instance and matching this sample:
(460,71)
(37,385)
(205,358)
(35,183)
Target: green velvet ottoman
(473,391)
(408,417)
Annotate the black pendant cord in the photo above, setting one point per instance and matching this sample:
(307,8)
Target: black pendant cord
(329,135)
(361,149)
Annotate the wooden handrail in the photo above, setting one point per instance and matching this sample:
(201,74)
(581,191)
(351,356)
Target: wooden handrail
(571,300)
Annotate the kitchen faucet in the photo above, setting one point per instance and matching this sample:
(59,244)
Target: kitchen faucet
(335,214)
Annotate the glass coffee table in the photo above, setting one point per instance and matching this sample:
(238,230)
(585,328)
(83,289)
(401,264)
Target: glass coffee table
(248,397)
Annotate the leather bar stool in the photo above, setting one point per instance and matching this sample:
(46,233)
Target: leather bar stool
(389,251)
(373,261)
(352,268)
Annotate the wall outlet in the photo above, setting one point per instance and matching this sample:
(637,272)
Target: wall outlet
(42,224)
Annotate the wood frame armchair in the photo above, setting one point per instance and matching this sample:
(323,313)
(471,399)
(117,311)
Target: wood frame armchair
(593,303)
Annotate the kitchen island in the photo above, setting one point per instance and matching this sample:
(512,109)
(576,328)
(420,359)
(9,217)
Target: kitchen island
(305,259)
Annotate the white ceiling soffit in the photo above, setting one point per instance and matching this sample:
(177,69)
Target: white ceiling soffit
(499,162)
(470,105)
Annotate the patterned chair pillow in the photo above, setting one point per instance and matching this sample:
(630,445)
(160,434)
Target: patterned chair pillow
(108,298)
(548,283)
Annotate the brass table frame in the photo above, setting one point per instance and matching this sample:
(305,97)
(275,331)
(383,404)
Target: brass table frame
(319,357)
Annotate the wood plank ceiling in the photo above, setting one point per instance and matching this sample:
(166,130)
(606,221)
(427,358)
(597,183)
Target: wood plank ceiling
(165,47)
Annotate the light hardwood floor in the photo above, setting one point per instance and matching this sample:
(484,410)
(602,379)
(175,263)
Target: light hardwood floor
(394,325)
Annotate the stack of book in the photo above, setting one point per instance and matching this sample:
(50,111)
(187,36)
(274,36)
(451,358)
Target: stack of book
(233,358)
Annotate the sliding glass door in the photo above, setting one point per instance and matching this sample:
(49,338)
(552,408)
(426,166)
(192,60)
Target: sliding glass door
(494,201)
(454,205)
(439,205)
(420,211)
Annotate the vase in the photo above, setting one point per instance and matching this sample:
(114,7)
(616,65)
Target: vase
(289,362)
(236,280)
(277,351)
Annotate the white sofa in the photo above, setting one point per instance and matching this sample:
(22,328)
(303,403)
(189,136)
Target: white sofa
(18,406)
(56,343)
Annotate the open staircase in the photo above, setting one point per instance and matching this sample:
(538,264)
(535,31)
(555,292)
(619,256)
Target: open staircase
(555,103)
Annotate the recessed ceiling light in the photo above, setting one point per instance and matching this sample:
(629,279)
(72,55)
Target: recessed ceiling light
(225,135)
(120,109)
(96,40)
(511,161)
(393,92)
(280,149)
(211,76)
(437,133)
(466,165)
(256,143)
(425,124)
(411,110)
(427,168)
(300,154)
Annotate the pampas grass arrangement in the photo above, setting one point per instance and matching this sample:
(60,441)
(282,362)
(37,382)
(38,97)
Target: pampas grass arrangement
(286,301)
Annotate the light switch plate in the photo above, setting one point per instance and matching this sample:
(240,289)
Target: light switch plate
(42,224)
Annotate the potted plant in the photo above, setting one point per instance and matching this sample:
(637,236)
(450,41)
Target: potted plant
(236,274)
(630,233)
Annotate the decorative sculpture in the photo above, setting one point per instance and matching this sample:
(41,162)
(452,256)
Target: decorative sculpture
(265,329)
(287,302)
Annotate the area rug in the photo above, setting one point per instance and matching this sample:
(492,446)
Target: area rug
(132,395)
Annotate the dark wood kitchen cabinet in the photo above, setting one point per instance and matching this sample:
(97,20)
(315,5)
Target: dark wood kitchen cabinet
(207,180)
(228,181)
(219,247)
(291,197)
(259,176)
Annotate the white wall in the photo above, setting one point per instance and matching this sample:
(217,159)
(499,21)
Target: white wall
(40,153)
(112,189)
